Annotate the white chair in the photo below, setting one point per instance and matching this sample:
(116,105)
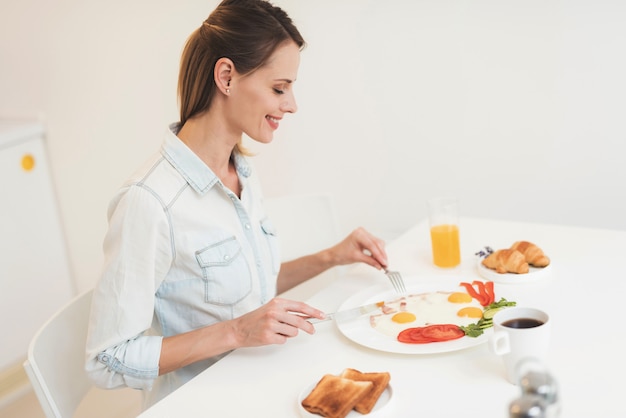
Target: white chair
(56,359)
(306,223)
(56,369)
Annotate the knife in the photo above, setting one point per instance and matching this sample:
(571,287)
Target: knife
(349,313)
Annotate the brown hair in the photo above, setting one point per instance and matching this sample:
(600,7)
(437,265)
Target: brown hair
(246,31)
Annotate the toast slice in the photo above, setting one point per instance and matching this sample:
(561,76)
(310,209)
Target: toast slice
(379,384)
(335,397)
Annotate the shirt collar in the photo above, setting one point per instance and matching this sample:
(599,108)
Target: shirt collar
(191,167)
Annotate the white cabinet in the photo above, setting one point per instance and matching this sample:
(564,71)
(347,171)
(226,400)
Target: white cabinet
(35,278)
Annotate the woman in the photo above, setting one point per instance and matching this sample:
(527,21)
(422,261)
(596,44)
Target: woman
(191,267)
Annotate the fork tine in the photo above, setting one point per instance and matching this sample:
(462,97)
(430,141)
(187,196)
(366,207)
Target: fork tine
(396,281)
(400,283)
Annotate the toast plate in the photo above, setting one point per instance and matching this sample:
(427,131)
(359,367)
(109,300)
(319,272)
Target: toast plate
(534,274)
(383,407)
(361,332)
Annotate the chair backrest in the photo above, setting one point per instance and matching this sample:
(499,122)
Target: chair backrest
(56,359)
(306,223)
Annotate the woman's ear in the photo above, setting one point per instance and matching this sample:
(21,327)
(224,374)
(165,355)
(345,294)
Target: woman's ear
(223,73)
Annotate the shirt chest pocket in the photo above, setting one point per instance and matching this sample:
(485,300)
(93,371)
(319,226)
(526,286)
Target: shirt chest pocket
(226,274)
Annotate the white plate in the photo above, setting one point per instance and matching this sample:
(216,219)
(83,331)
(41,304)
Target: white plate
(361,332)
(383,406)
(534,274)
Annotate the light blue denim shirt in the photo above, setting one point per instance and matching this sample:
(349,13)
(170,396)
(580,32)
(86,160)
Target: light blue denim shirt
(182,252)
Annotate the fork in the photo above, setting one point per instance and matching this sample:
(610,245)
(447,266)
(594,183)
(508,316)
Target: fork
(396,281)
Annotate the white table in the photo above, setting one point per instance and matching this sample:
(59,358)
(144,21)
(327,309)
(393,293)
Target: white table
(585,296)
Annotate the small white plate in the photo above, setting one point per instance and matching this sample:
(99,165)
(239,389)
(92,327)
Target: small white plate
(383,406)
(534,274)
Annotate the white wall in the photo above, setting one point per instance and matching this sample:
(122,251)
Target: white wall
(515,106)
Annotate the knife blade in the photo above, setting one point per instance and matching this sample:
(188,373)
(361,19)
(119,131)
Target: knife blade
(349,313)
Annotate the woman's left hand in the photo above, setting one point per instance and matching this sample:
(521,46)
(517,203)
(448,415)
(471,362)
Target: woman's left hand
(360,246)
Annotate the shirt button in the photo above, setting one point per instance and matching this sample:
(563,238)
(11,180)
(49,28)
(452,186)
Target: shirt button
(247,226)
(227,257)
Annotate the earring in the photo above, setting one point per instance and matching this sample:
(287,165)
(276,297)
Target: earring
(227,91)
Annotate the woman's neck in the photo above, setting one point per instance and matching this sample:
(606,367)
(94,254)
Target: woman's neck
(213,146)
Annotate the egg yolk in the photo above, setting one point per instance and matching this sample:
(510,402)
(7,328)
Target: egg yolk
(403,317)
(459,297)
(470,312)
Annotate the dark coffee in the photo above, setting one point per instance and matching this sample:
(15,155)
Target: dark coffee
(522,323)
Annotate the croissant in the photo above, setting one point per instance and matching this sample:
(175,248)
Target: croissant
(506,261)
(533,254)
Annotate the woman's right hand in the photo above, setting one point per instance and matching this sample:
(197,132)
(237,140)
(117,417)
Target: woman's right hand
(274,323)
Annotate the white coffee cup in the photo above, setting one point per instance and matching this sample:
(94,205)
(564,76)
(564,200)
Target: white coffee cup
(520,334)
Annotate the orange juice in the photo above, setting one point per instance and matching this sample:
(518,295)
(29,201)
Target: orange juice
(446,247)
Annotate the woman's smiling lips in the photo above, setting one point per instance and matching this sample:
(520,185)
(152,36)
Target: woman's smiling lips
(273,121)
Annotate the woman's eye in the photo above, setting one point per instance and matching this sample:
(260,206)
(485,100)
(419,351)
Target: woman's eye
(278,91)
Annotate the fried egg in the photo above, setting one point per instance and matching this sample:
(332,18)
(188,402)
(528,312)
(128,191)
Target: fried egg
(418,310)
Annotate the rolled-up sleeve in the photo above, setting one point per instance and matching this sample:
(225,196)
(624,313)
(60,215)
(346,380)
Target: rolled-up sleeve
(138,253)
(133,364)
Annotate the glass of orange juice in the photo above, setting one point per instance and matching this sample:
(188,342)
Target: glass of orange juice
(443,214)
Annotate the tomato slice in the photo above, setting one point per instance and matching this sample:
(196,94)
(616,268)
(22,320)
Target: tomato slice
(430,334)
(443,332)
(413,336)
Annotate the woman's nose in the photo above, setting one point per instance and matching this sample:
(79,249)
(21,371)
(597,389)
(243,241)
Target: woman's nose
(289,105)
